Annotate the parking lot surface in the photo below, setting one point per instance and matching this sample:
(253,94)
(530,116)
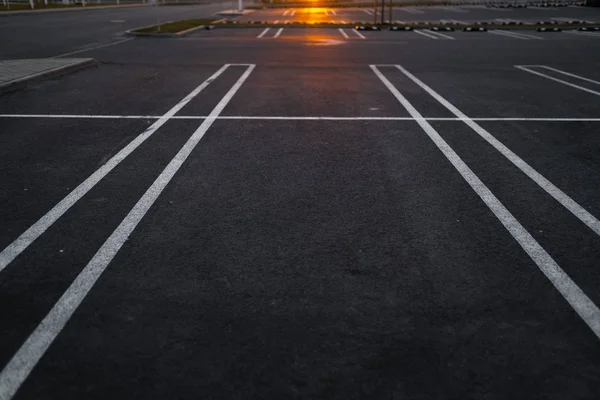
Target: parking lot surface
(311,213)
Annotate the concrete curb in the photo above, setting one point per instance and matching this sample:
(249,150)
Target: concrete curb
(40,76)
(24,12)
(166,35)
(415,25)
(234,13)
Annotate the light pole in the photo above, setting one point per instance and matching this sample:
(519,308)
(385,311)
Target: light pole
(374,12)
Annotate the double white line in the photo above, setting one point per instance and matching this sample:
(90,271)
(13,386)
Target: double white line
(514,35)
(275,36)
(580,302)
(346,36)
(28,355)
(433,34)
(529,68)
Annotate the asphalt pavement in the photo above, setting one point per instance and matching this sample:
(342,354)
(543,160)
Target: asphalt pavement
(57,33)
(306,214)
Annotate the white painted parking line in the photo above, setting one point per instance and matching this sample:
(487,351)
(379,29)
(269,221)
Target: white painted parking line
(565,73)
(578,211)
(440,35)
(514,35)
(45,222)
(412,10)
(580,302)
(287,21)
(344,34)
(26,358)
(93,48)
(332,12)
(423,33)
(276,35)
(525,35)
(360,35)
(286,12)
(526,69)
(343,22)
(454,9)
(293,13)
(263,33)
(276,21)
(367,11)
(504,34)
(297,118)
(507,20)
(563,19)
(584,33)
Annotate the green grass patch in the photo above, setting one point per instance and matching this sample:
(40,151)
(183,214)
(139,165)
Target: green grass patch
(175,26)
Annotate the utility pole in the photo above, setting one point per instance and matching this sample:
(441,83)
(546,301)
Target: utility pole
(374,11)
(391,18)
(382,10)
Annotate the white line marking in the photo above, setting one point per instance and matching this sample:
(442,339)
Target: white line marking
(520,34)
(276,21)
(26,358)
(412,10)
(584,33)
(343,22)
(569,19)
(333,13)
(94,48)
(276,35)
(565,73)
(287,21)
(344,34)
(503,33)
(538,178)
(39,227)
(286,12)
(525,35)
(515,35)
(368,12)
(582,304)
(360,35)
(557,80)
(299,118)
(453,9)
(263,33)
(441,35)
(420,32)
(293,13)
